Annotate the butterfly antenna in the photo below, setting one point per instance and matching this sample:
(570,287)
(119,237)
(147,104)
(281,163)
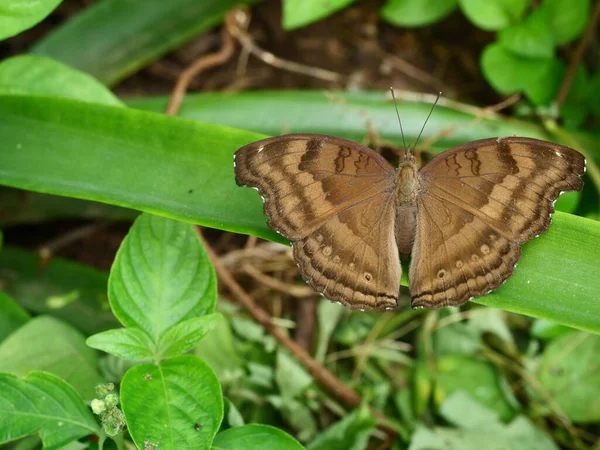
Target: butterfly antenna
(426,120)
(399,121)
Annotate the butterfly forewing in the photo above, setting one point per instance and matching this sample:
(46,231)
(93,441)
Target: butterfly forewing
(333,199)
(477,203)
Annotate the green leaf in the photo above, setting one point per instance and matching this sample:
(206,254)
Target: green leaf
(12,316)
(568,18)
(185,335)
(298,13)
(328,316)
(45,343)
(531,38)
(217,349)
(131,344)
(113,38)
(480,428)
(416,13)
(576,107)
(508,72)
(255,437)
(480,379)
(198,184)
(291,377)
(544,329)
(570,374)
(350,433)
(177,404)
(544,89)
(494,15)
(38,75)
(160,266)
(36,288)
(19,15)
(44,404)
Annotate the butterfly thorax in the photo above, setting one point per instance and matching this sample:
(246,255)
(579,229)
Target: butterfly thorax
(407,183)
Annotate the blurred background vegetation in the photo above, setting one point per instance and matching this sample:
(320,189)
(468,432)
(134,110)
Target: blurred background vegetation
(445,379)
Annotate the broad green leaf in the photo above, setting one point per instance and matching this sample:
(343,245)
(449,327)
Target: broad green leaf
(479,428)
(64,289)
(328,316)
(198,185)
(161,266)
(480,379)
(291,377)
(43,404)
(45,343)
(568,18)
(494,15)
(38,75)
(298,13)
(19,15)
(12,316)
(416,13)
(218,350)
(570,374)
(175,405)
(185,335)
(113,38)
(255,437)
(531,38)
(508,72)
(131,344)
(350,433)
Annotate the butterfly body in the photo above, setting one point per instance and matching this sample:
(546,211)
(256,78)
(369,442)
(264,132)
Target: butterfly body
(350,215)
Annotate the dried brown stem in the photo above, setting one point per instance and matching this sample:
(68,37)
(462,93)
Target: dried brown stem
(201,64)
(563,91)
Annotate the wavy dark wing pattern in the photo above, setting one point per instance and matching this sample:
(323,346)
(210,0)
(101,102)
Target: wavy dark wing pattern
(333,199)
(478,202)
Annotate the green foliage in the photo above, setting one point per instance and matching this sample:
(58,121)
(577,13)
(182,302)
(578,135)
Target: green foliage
(416,13)
(494,15)
(12,316)
(93,40)
(43,404)
(19,15)
(298,13)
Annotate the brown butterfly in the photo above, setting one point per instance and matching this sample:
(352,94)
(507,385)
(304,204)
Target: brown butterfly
(462,217)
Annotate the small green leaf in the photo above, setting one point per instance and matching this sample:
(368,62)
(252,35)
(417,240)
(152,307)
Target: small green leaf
(543,90)
(416,13)
(255,437)
(576,107)
(492,15)
(44,404)
(509,73)
(185,335)
(480,428)
(570,374)
(480,379)
(350,433)
(38,75)
(161,266)
(218,350)
(328,316)
(298,13)
(291,377)
(568,18)
(33,287)
(544,329)
(131,344)
(45,343)
(12,316)
(297,414)
(531,38)
(19,15)
(175,405)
